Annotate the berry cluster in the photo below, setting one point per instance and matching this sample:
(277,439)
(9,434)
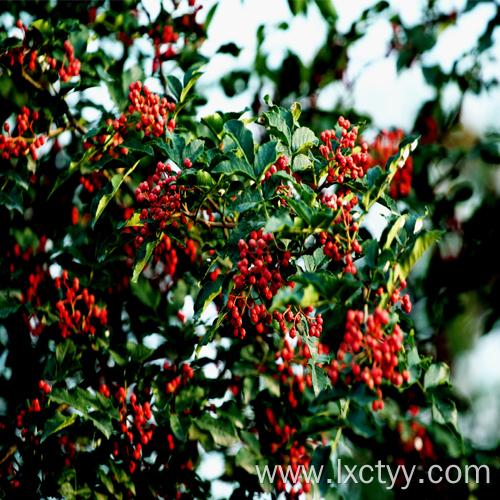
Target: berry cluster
(163,199)
(26,52)
(369,351)
(161,37)
(14,146)
(24,418)
(74,320)
(384,146)
(405,300)
(134,426)
(314,325)
(280,165)
(340,165)
(296,456)
(153,110)
(259,272)
(187,373)
(94,182)
(338,246)
(74,65)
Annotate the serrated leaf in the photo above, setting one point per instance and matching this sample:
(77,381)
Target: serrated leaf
(222,431)
(246,200)
(265,157)
(411,256)
(438,374)
(175,87)
(296,110)
(8,306)
(242,136)
(272,385)
(235,166)
(301,162)
(206,294)
(278,222)
(107,193)
(215,123)
(193,177)
(13,200)
(143,254)
(245,459)
(278,127)
(302,140)
(137,146)
(320,379)
(444,412)
(193,150)
(191,77)
(56,423)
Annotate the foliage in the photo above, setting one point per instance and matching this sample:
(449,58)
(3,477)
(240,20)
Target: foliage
(109,389)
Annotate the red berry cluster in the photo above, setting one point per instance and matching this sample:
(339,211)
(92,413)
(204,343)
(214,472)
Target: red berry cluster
(74,320)
(339,164)
(280,165)
(163,199)
(315,325)
(153,110)
(134,426)
(414,438)
(296,456)
(94,182)
(370,352)
(187,373)
(68,447)
(339,246)
(74,65)
(258,271)
(384,146)
(405,300)
(23,418)
(18,145)
(161,37)
(25,52)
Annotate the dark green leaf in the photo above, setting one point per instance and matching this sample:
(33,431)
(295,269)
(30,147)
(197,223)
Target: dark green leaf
(235,166)
(242,136)
(265,157)
(303,139)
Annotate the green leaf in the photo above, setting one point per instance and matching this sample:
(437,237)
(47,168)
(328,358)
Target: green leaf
(245,459)
(215,123)
(13,200)
(320,379)
(193,150)
(193,177)
(265,157)
(246,200)
(107,193)
(438,374)
(411,256)
(56,423)
(180,424)
(8,306)
(278,222)
(175,87)
(301,209)
(223,431)
(134,221)
(235,166)
(327,9)
(251,439)
(139,352)
(143,254)
(278,127)
(301,162)
(101,421)
(10,43)
(370,251)
(191,77)
(44,27)
(296,110)
(137,146)
(242,136)
(302,140)
(79,160)
(445,412)
(206,294)
(272,385)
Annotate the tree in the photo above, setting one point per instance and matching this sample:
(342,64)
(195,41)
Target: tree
(108,390)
